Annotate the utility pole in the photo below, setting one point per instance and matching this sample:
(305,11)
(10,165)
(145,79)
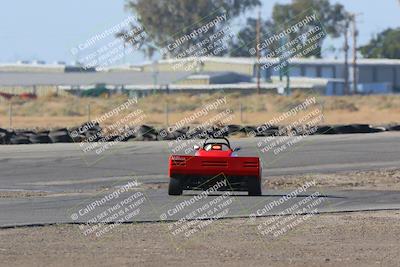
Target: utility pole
(346,58)
(258,40)
(155,76)
(355,35)
(167,114)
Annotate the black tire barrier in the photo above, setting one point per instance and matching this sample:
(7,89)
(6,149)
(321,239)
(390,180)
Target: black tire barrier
(149,133)
(264,130)
(183,130)
(299,130)
(114,138)
(93,135)
(169,134)
(131,137)
(3,138)
(150,136)
(28,134)
(60,137)
(40,139)
(19,140)
(377,129)
(179,134)
(58,130)
(215,132)
(197,133)
(393,128)
(344,129)
(78,138)
(249,130)
(87,126)
(145,129)
(4,131)
(362,128)
(325,129)
(355,128)
(89,130)
(285,131)
(145,137)
(166,135)
(233,128)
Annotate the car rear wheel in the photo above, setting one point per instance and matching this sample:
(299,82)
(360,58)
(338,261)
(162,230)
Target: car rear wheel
(175,187)
(254,186)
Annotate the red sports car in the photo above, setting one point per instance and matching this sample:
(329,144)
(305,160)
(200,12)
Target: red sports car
(212,163)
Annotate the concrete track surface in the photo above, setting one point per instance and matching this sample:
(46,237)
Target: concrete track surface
(64,181)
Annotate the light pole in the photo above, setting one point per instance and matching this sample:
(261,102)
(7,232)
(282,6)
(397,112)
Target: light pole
(258,31)
(346,58)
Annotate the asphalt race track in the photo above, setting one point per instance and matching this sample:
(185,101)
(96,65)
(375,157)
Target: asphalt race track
(72,179)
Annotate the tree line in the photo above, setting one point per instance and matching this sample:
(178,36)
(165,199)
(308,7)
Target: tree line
(165,21)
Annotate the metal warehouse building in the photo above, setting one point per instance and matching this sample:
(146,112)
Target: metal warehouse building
(206,74)
(374,75)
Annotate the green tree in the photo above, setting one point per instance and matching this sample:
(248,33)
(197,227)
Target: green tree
(166,21)
(385,45)
(332,18)
(246,37)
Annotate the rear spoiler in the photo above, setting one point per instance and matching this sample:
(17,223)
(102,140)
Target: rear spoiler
(205,166)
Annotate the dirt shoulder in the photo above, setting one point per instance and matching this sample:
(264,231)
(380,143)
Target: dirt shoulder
(351,239)
(383,179)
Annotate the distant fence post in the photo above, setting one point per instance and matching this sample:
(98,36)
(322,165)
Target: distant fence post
(88,112)
(241,112)
(166,114)
(10,111)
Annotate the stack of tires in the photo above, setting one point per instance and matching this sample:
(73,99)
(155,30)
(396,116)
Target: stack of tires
(41,137)
(393,128)
(60,136)
(233,129)
(87,132)
(4,136)
(268,130)
(170,134)
(146,133)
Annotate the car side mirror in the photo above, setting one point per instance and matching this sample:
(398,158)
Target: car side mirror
(196,147)
(236,149)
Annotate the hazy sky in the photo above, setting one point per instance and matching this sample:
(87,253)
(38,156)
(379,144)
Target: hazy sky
(48,29)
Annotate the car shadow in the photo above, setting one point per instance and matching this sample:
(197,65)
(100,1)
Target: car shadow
(244,195)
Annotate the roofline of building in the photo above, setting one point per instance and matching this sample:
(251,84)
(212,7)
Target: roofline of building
(252,61)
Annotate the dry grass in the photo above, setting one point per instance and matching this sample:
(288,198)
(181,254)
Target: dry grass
(53,111)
